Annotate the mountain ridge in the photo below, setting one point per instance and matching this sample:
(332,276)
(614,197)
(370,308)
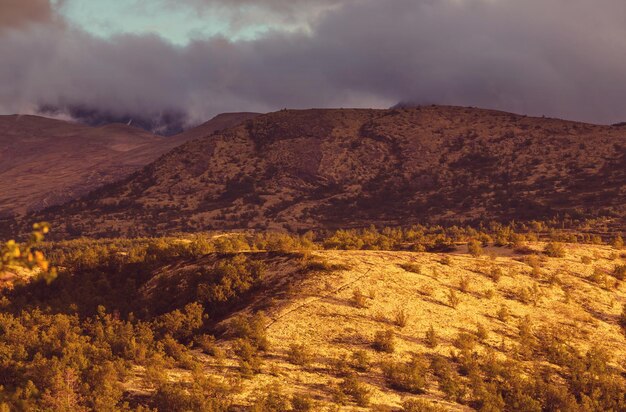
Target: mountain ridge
(45,161)
(329,168)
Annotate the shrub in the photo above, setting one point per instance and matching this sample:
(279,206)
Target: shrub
(182,324)
(406,377)
(554,249)
(400,318)
(622,319)
(503,313)
(250,361)
(432,340)
(618,242)
(475,248)
(251,328)
(420,405)
(302,403)
(361,361)
(339,366)
(358,298)
(453,299)
(465,341)
(446,260)
(449,381)
(411,267)
(620,272)
(384,341)
(351,387)
(585,260)
(481,332)
(495,274)
(464,284)
(272,400)
(299,354)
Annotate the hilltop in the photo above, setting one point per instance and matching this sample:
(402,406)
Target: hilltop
(313,169)
(45,162)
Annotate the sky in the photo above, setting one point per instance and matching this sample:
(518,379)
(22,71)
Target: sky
(189,60)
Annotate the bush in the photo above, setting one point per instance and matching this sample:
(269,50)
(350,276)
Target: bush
(400,318)
(495,274)
(464,284)
(465,341)
(622,319)
(503,313)
(555,250)
(384,341)
(351,387)
(299,354)
(251,328)
(358,299)
(272,400)
(618,242)
(620,272)
(475,248)
(406,377)
(250,361)
(361,361)
(420,405)
(411,267)
(302,403)
(432,340)
(453,299)
(481,332)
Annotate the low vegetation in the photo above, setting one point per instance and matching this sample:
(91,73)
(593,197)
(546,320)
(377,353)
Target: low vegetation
(216,323)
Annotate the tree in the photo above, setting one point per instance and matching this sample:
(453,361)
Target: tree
(14,255)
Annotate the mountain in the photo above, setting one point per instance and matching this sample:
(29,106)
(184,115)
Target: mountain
(45,162)
(342,168)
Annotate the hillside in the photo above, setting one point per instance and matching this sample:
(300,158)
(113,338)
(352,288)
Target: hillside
(339,168)
(44,162)
(225,322)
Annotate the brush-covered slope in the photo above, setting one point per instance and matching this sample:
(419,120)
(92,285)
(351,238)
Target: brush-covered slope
(494,319)
(273,322)
(44,162)
(332,168)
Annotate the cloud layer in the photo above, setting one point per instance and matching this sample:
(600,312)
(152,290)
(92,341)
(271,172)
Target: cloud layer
(564,58)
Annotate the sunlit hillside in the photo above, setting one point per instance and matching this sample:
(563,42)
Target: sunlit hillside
(422,319)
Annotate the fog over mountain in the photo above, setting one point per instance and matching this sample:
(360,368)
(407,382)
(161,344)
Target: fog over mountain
(333,53)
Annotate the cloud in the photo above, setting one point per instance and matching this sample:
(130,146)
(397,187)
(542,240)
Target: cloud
(18,13)
(561,58)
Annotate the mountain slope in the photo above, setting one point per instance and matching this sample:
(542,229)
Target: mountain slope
(337,168)
(44,162)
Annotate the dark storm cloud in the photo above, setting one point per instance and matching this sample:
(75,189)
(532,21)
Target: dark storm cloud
(562,58)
